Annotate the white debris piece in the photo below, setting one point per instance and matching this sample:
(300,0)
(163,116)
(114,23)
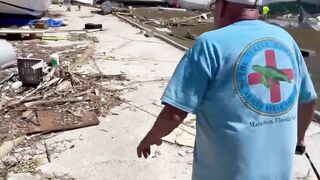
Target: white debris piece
(16,85)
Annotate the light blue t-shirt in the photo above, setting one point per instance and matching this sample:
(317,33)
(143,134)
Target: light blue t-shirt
(244,82)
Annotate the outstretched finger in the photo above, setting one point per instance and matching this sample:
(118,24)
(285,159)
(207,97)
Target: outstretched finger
(145,154)
(148,150)
(139,151)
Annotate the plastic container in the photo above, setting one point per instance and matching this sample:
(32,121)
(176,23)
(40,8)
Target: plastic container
(27,74)
(16,85)
(54,60)
(8,54)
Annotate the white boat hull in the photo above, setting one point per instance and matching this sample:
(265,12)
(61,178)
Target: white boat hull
(141,1)
(126,1)
(85,1)
(194,4)
(25,7)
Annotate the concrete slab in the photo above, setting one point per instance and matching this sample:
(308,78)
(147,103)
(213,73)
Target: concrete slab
(108,152)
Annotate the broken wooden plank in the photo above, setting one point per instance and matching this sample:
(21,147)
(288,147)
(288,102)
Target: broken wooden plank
(82,93)
(17,102)
(21,31)
(56,101)
(48,122)
(51,82)
(6,78)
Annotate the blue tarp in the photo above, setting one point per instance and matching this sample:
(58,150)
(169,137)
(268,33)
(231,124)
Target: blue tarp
(6,21)
(17,20)
(55,23)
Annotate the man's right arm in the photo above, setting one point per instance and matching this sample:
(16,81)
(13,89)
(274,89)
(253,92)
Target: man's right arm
(307,100)
(305,115)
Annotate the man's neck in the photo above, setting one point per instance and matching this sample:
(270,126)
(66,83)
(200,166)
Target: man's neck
(249,14)
(245,14)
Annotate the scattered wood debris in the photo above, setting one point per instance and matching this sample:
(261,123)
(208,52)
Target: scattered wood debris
(19,33)
(203,18)
(72,99)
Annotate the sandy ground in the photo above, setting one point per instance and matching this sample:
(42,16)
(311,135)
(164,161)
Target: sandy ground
(108,151)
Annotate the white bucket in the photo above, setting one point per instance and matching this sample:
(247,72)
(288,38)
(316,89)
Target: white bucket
(8,54)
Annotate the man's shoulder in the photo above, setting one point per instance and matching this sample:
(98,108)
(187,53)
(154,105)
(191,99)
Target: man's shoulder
(277,28)
(240,30)
(209,35)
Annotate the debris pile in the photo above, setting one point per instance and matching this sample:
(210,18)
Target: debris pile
(186,19)
(178,22)
(63,100)
(175,26)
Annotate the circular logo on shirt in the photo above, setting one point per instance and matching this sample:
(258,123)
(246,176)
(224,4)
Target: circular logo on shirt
(264,77)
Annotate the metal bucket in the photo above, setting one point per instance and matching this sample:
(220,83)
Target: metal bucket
(8,54)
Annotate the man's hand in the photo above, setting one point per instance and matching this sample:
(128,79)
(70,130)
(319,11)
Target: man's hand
(169,119)
(300,150)
(144,146)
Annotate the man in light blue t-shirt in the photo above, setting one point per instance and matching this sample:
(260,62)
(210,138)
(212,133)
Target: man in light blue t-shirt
(249,86)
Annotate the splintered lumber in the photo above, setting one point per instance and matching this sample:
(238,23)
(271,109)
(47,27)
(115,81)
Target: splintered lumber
(6,79)
(21,31)
(70,100)
(17,33)
(49,122)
